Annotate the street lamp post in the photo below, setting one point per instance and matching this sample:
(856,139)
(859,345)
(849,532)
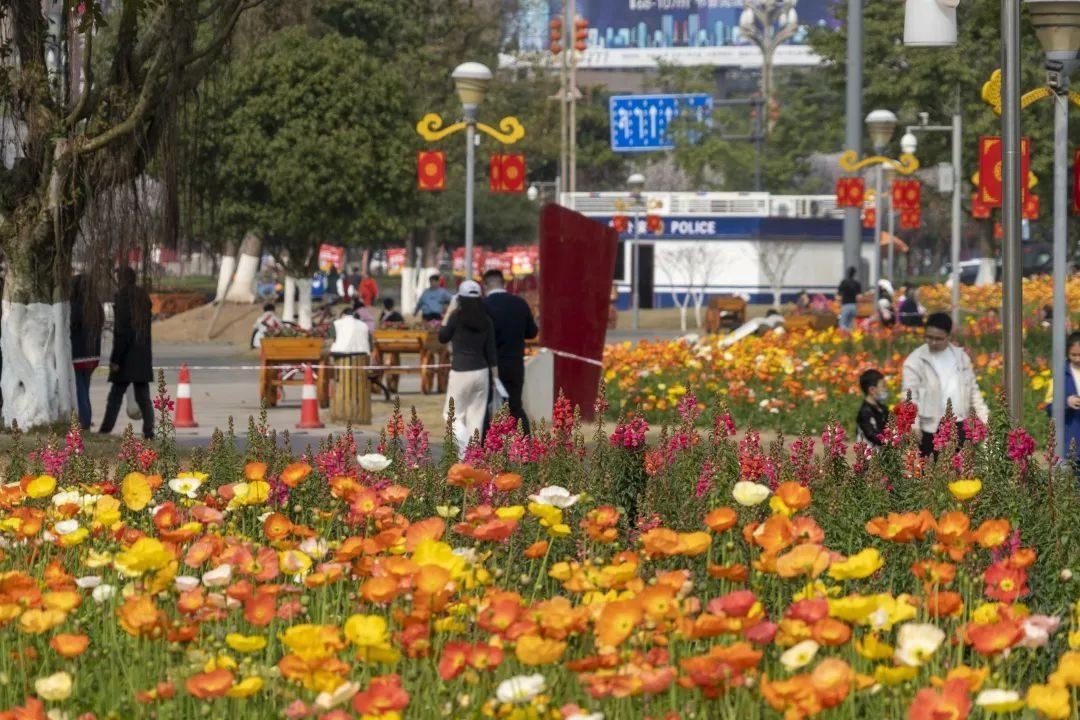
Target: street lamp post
(881,125)
(852,125)
(1057,24)
(909,144)
(471,80)
(768,24)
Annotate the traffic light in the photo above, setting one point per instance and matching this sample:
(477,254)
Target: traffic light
(555,38)
(581,33)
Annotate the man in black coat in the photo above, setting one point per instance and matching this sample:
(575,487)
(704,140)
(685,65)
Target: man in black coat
(131,361)
(514,325)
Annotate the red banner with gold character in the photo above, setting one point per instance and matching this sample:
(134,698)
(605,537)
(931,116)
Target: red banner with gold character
(431,170)
(979,209)
(990,169)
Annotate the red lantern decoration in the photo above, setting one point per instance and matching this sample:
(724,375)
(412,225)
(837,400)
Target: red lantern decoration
(621,223)
(849,192)
(654,224)
(906,194)
(911,219)
(513,173)
(431,170)
(869,218)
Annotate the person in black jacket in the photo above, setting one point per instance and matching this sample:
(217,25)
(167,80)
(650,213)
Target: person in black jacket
(514,324)
(873,413)
(87,319)
(131,362)
(473,363)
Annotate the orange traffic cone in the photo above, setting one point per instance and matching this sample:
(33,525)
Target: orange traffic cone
(309,403)
(185,414)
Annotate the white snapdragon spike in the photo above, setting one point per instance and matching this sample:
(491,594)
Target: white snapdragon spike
(218,577)
(916,643)
(185,583)
(373,462)
(556,496)
(103,592)
(186,486)
(520,689)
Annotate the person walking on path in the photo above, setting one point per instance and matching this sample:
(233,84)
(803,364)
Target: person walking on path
(848,295)
(131,362)
(87,318)
(433,302)
(514,324)
(938,374)
(473,361)
(332,278)
(368,289)
(1072,400)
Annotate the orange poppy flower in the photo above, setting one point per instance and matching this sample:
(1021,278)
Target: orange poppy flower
(139,615)
(277,527)
(395,494)
(952,701)
(379,589)
(810,560)
(660,541)
(432,528)
(383,696)
(431,579)
(693,544)
(932,572)
(260,610)
(658,602)
(454,659)
(901,527)
(535,650)
(537,550)
(465,476)
(953,525)
(774,534)
(830,632)
(993,638)
(255,471)
(616,621)
(1022,558)
(972,676)
(735,573)
(295,473)
(1005,583)
(793,495)
(721,519)
(992,533)
(69,646)
(831,680)
(209,684)
(944,603)
(507,481)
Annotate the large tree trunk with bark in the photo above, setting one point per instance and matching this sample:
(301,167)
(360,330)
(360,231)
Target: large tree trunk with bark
(242,289)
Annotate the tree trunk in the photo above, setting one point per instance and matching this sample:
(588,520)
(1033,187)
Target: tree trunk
(288,314)
(682,316)
(304,286)
(408,277)
(38,381)
(988,265)
(225,273)
(242,289)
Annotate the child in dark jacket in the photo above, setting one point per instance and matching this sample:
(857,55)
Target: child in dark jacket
(873,413)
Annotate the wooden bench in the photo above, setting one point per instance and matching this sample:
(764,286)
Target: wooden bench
(724,312)
(280,353)
(390,345)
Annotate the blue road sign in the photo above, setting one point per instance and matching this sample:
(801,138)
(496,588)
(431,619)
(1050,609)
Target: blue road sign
(639,123)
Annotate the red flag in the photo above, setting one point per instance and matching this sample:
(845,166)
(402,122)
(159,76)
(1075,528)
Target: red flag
(869,218)
(513,173)
(979,209)
(1031,207)
(431,170)
(654,224)
(495,173)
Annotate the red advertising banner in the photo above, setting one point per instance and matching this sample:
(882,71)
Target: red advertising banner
(395,261)
(331,255)
(574,316)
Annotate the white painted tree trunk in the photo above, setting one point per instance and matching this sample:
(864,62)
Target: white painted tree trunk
(987,271)
(228,267)
(38,380)
(242,289)
(699,301)
(304,285)
(408,290)
(288,314)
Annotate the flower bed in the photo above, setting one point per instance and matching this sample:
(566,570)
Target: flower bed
(797,380)
(1037,293)
(701,576)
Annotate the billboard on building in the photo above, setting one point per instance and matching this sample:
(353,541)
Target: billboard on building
(642,33)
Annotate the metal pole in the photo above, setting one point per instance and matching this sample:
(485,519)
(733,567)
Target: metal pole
(634,289)
(875,267)
(1011,314)
(853,125)
(571,93)
(470,181)
(1061,240)
(957,149)
(892,239)
(563,119)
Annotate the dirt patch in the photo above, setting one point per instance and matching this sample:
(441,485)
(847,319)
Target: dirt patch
(234,325)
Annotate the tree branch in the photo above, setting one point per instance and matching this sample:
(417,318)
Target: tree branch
(88,82)
(129,124)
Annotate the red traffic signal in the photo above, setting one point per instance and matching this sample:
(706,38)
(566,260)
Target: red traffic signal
(555,36)
(581,34)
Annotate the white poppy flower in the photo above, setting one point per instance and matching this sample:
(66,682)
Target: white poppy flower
(66,527)
(555,495)
(184,583)
(186,486)
(218,577)
(373,462)
(103,592)
(520,689)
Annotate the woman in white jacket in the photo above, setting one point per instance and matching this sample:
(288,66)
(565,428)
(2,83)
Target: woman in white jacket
(939,374)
